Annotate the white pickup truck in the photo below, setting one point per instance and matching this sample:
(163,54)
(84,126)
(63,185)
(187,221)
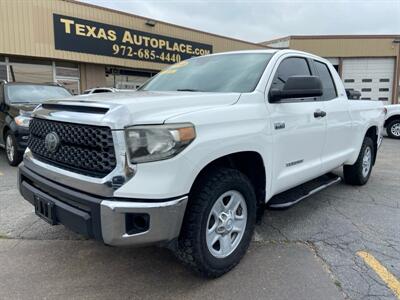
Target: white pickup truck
(392,122)
(191,159)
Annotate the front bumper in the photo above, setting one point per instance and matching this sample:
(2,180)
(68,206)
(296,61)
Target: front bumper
(107,219)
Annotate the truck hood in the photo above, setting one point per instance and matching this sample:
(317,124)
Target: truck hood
(122,109)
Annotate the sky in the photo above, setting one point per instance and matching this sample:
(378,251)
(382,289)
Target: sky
(261,20)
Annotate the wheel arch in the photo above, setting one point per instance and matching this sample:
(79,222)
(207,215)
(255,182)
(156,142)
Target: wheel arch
(250,163)
(392,118)
(3,134)
(372,133)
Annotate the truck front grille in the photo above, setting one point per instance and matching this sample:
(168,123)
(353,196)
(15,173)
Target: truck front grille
(83,149)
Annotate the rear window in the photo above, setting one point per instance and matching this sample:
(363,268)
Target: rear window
(328,86)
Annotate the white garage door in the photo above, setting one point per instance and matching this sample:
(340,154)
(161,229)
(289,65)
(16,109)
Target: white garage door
(373,77)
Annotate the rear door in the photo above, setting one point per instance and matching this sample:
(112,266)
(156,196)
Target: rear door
(299,136)
(338,144)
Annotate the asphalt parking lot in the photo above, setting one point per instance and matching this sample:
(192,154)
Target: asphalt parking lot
(314,250)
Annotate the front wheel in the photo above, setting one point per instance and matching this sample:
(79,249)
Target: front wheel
(14,157)
(358,174)
(393,129)
(219,222)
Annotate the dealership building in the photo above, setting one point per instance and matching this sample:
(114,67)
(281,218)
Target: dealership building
(82,46)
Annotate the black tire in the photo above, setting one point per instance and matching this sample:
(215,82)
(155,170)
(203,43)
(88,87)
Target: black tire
(192,246)
(16,156)
(354,174)
(393,129)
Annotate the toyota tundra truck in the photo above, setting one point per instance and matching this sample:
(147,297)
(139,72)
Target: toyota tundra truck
(191,159)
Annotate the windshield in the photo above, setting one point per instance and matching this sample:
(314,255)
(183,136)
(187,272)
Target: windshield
(225,73)
(31,93)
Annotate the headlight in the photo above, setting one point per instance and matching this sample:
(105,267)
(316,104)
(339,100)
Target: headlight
(156,142)
(22,120)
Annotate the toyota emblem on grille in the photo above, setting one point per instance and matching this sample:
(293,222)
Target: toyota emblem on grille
(51,142)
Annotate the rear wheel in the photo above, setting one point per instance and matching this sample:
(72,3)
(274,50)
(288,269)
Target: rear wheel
(393,129)
(219,222)
(358,174)
(14,157)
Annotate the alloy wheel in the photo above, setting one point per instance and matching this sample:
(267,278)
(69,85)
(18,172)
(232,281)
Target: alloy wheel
(10,149)
(226,224)
(395,129)
(367,161)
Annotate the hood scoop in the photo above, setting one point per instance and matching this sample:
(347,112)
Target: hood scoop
(76,108)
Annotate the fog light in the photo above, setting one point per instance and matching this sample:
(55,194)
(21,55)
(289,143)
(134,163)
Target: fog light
(136,223)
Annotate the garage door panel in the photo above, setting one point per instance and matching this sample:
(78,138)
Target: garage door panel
(375,74)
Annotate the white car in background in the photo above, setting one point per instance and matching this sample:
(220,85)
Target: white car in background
(392,122)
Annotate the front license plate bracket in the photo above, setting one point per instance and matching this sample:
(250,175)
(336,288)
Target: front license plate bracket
(45,209)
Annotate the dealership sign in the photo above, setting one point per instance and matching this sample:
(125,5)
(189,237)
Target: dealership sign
(84,36)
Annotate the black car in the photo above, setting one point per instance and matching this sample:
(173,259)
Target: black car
(17,101)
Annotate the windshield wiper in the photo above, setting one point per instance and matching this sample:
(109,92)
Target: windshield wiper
(188,90)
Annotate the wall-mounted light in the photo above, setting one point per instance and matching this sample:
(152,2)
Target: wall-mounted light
(151,23)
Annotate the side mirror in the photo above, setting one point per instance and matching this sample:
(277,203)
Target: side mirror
(353,94)
(298,87)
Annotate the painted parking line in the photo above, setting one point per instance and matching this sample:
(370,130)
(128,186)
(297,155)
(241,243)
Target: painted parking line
(390,280)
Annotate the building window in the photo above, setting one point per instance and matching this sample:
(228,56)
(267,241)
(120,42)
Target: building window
(366,90)
(126,78)
(67,74)
(365,98)
(349,80)
(384,90)
(27,70)
(72,85)
(383,98)
(3,72)
(366,80)
(384,80)
(67,69)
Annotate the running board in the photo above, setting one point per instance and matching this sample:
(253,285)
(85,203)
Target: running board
(298,193)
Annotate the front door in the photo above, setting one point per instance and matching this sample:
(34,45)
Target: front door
(299,133)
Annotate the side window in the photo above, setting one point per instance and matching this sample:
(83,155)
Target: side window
(290,67)
(328,86)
